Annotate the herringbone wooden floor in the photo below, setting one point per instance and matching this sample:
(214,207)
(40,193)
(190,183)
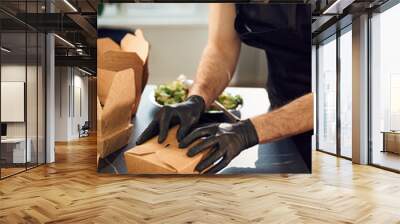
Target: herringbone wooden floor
(70,191)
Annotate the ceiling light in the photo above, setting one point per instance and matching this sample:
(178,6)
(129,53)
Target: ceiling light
(337,7)
(80,51)
(65,41)
(70,5)
(5,50)
(84,71)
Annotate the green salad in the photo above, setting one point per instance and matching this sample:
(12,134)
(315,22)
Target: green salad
(176,92)
(172,93)
(229,101)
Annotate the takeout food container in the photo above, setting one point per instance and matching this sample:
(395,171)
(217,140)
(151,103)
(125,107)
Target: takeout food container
(132,53)
(122,75)
(110,143)
(166,158)
(113,62)
(114,120)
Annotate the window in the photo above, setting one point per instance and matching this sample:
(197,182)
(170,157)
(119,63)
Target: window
(346,93)
(385,89)
(327,96)
(335,137)
(22,77)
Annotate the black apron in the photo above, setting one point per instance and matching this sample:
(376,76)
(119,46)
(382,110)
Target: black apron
(283,31)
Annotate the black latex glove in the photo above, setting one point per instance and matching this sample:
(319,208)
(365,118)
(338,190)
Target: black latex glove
(224,140)
(186,114)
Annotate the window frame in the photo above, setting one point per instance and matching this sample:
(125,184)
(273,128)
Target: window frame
(333,37)
(378,10)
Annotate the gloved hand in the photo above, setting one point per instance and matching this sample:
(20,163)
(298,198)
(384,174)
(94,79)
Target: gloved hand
(225,141)
(186,114)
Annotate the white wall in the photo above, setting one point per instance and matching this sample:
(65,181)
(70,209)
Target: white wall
(174,50)
(177,50)
(15,73)
(13,101)
(80,83)
(68,83)
(61,103)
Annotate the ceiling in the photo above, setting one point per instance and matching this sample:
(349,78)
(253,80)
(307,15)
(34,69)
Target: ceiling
(74,22)
(337,14)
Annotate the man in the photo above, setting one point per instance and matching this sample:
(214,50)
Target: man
(283,31)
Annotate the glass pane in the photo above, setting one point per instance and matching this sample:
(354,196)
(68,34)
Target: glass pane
(327,97)
(41,98)
(32,86)
(346,94)
(31,100)
(23,88)
(385,84)
(13,87)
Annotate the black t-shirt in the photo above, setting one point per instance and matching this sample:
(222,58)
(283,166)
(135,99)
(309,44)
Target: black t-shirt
(284,32)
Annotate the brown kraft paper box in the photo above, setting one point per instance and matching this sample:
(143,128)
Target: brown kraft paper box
(165,158)
(114,120)
(122,76)
(132,53)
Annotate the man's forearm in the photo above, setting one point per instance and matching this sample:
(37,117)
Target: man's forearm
(291,119)
(219,58)
(213,76)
